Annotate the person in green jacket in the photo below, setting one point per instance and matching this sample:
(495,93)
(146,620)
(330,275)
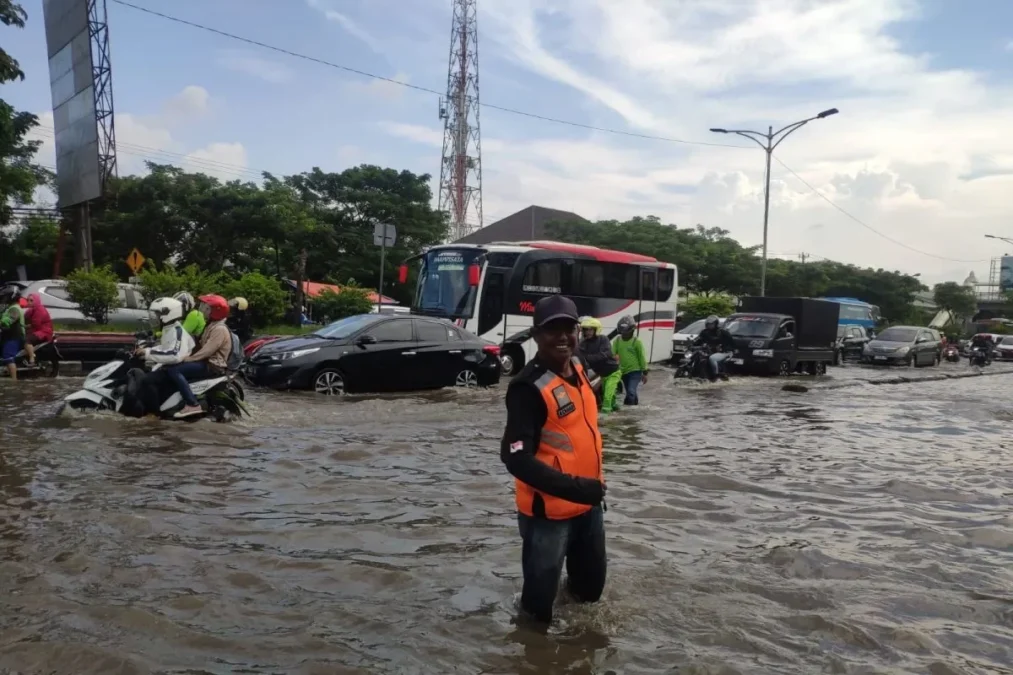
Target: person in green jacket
(194,321)
(12,336)
(632,361)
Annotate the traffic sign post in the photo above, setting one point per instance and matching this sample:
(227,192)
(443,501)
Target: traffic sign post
(135,261)
(384,235)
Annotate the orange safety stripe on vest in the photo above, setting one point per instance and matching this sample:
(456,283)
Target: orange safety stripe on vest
(569,442)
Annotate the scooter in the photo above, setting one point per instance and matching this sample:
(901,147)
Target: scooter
(952,353)
(979,357)
(118,385)
(47,361)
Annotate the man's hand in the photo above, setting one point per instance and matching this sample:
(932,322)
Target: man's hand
(139,352)
(643,380)
(594,489)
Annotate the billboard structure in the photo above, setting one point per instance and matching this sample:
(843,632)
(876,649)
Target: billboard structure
(77,44)
(1006,273)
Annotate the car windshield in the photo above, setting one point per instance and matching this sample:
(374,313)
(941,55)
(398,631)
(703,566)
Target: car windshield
(443,288)
(752,326)
(897,335)
(1007,340)
(694,328)
(348,326)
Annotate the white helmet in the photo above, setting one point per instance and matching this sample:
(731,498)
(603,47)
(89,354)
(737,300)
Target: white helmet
(186,299)
(165,311)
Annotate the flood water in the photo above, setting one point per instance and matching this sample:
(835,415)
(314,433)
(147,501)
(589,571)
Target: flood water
(865,529)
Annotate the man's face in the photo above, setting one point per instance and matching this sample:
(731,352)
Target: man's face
(588,333)
(556,340)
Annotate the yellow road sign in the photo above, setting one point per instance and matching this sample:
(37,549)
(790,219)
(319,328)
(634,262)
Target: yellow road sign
(135,260)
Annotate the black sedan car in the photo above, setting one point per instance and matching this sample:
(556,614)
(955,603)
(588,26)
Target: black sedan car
(377,353)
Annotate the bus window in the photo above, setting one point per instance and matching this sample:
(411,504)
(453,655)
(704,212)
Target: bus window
(545,277)
(621,281)
(666,283)
(587,279)
(443,288)
(490,309)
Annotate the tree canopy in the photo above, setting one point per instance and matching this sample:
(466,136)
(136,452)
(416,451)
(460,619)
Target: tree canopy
(18,175)
(709,261)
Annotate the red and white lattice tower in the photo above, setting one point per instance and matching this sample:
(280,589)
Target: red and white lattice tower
(461,169)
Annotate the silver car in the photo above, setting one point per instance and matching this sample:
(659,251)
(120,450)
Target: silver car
(132,310)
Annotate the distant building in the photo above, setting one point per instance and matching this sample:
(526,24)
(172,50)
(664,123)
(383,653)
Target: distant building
(525,225)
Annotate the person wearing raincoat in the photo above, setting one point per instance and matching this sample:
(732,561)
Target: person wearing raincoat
(38,326)
(12,336)
(596,351)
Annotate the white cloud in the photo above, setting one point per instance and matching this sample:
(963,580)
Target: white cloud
(248,63)
(346,23)
(150,138)
(898,156)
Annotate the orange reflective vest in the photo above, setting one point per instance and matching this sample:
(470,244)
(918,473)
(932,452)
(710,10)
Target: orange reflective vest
(570,442)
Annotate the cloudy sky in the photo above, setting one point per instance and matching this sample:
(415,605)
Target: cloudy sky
(921,151)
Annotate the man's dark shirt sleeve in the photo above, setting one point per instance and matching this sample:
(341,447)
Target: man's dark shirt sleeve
(727,341)
(526,415)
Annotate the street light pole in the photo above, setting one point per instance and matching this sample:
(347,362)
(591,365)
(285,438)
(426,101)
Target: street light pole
(992,236)
(769,143)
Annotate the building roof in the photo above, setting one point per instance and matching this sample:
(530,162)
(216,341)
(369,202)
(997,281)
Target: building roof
(313,289)
(525,225)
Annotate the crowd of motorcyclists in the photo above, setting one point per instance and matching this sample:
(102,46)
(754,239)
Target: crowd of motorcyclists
(197,340)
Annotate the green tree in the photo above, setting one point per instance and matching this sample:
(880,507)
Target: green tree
(169,281)
(701,306)
(18,175)
(956,299)
(30,241)
(95,292)
(331,306)
(266,298)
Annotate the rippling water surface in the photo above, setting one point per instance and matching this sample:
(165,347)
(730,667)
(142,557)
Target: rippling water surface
(865,529)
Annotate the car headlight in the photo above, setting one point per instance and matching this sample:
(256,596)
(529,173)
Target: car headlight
(903,350)
(285,356)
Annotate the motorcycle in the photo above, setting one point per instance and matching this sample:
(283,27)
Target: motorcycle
(952,353)
(47,361)
(979,357)
(120,386)
(694,365)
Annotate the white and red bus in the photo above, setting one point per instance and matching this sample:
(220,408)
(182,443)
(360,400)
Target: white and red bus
(491,290)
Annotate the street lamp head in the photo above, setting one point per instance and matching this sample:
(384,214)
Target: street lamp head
(720,131)
(827,113)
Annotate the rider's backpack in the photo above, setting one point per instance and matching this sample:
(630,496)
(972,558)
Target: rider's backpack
(235,360)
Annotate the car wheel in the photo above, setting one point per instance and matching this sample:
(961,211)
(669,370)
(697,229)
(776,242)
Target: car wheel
(513,360)
(467,378)
(329,382)
(784,368)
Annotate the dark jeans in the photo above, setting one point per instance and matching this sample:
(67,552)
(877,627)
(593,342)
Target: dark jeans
(631,383)
(181,372)
(546,543)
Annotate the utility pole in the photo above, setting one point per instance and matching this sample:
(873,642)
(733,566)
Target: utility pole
(803,257)
(769,142)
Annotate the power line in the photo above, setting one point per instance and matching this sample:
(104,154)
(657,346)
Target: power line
(866,225)
(408,85)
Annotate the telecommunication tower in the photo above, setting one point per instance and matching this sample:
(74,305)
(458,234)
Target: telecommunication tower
(461,168)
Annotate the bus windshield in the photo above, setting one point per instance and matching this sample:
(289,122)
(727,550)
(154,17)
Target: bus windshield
(443,288)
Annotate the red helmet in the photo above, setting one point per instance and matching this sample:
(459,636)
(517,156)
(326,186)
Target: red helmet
(23,303)
(218,307)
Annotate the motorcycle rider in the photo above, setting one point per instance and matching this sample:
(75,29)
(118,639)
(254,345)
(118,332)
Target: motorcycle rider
(38,325)
(982,341)
(211,359)
(720,343)
(239,321)
(12,336)
(596,350)
(175,345)
(194,322)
